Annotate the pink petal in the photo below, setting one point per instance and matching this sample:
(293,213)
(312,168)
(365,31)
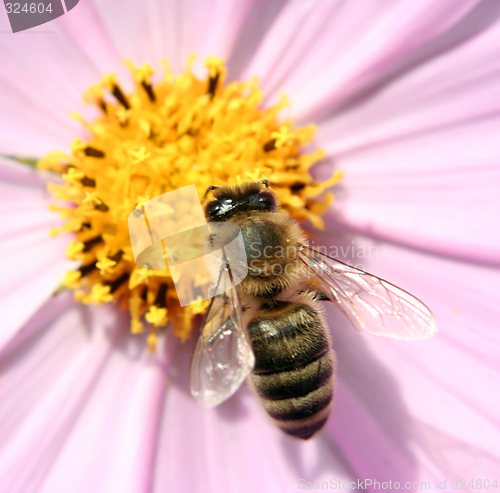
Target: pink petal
(294,31)
(360,429)
(434,401)
(258,21)
(89,36)
(335,56)
(221,449)
(457,88)
(24,200)
(436,191)
(224,27)
(76,360)
(154,30)
(14,172)
(39,91)
(147,31)
(421,172)
(110,441)
(32,263)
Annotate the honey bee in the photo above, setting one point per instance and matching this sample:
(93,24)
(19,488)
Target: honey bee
(270,327)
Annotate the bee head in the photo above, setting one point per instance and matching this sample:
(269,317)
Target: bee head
(230,200)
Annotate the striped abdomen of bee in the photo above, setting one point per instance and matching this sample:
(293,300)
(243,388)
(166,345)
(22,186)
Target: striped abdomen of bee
(294,366)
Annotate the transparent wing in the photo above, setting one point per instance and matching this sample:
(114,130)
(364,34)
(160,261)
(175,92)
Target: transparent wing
(370,303)
(223,355)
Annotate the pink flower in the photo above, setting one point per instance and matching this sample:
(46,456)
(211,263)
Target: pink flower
(406,98)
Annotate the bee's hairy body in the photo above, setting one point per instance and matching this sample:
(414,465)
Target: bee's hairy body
(294,366)
(294,361)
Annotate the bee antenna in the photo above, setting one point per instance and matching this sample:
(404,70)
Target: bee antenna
(209,189)
(266,183)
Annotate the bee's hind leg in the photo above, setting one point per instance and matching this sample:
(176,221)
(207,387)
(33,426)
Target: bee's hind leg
(317,295)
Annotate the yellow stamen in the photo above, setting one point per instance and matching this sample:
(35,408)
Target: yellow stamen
(139,276)
(100,294)
(74,250)
(169,133)
(283,137)
(105,265)
(73,177)
(140,155)
(157,316)
(71,279)
(122,115)
(91,199)
(78,146)
(141,74)
(215,66)
(109,81)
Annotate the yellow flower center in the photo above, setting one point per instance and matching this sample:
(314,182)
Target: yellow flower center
(163,136)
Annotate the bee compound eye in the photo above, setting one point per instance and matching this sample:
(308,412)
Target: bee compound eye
(213,208)
(266,200)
